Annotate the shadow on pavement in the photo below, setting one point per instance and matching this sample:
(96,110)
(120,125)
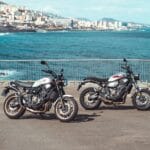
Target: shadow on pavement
(40,117)
(125,107)
(78,119)
(85,118)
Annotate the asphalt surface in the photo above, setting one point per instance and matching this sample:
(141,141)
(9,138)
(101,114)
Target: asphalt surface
(107,128)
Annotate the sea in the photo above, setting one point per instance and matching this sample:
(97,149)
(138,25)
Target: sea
(70,45)
(75,44)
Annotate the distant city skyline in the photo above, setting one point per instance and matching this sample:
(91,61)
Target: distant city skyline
(125,10)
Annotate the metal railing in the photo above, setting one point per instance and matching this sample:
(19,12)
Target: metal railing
(74,69)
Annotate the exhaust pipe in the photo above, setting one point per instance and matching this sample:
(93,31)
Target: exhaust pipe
(46,108)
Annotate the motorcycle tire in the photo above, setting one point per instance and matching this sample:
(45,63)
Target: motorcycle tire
(69,112)
(140,101)
(95,104)
(10,112)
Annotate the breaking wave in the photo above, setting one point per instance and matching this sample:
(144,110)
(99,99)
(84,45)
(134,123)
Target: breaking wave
(6,74)
(3,34)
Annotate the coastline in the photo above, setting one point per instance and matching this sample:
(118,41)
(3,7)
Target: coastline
(13,29)
(6,29)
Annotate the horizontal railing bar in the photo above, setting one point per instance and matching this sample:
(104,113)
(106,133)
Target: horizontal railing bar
(68,60)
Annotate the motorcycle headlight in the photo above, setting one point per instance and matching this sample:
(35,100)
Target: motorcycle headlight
(65,82)
(137,77)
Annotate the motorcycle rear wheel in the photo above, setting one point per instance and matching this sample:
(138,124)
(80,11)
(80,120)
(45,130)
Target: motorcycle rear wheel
(12,111)
(141,100)
(86,103)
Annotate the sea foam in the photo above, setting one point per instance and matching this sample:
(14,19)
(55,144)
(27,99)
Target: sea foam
(7,73)
(3,34)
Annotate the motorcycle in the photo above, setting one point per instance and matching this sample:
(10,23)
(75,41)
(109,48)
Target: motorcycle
(114,90)
(38,97)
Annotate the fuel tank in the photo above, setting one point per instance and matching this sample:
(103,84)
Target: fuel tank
(114,80)
(43,81)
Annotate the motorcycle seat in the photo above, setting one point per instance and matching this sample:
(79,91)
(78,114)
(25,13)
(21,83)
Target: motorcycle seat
(23,84)
(97,79)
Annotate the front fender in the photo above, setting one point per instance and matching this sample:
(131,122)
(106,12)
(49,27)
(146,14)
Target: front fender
(64,97)
(68,96)
(146,90)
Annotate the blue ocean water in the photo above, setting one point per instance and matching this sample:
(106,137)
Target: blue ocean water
(77,44)
(72,45)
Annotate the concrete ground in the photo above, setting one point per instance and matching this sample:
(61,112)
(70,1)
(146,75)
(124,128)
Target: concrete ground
(107,128)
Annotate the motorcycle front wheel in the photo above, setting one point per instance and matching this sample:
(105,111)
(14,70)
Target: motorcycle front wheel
(12,108)
(141,100)
(67,111)
(88,99)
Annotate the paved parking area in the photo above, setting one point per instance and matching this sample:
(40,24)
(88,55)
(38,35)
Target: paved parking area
(107,128)
(110,128)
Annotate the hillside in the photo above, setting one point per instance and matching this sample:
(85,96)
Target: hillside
(2,3)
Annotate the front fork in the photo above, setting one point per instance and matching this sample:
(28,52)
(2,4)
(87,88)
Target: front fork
(61,93)
(138,89)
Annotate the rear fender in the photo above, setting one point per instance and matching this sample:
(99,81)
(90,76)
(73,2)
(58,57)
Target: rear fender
(7,90)
(85,82)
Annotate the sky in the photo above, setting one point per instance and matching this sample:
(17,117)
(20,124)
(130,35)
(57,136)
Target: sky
(124,10)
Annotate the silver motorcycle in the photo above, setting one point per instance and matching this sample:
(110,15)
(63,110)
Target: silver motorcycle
(114,90)
(38,97)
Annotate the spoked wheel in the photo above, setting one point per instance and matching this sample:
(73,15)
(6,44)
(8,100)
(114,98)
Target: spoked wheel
(88,99)
(141,100)
(68,112)
(12,108)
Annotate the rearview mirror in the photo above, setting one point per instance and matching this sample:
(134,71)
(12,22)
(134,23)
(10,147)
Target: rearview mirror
(43,62)
(124,60)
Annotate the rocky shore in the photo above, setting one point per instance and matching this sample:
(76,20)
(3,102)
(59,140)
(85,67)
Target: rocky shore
(4,29)
(13,29)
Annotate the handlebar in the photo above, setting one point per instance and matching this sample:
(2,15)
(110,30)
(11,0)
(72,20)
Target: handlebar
(53,73)
(123,67)
(50,72)
(46,71)
(126,67)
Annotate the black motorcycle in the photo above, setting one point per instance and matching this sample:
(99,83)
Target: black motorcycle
(114,90)
(38,97)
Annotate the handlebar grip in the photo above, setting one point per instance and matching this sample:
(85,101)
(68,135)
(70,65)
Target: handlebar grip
(43,70)
(46,71)
(123,67)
